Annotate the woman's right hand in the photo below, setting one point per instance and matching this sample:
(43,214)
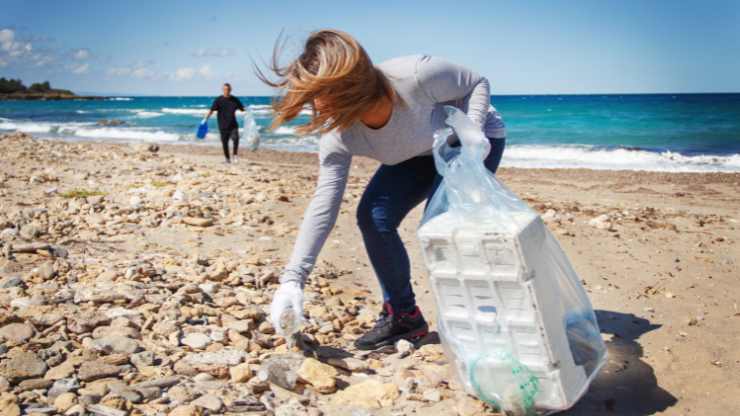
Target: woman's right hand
(287,298)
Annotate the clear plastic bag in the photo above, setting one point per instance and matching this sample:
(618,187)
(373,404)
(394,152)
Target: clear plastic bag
(251,131)
(512,314)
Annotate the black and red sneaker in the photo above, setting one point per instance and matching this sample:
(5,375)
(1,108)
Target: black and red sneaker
(391,327)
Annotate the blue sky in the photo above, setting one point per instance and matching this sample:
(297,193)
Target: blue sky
(190,48)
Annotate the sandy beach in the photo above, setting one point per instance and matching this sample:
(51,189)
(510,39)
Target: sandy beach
(143,276)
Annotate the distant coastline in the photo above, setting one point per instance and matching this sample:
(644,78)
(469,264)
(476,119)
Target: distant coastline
(48,96)
(15,90)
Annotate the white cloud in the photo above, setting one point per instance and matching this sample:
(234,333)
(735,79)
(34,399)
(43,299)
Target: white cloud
(205,71)
(214,53)
(139,70)
(81,54)
(80,68)
(182,74)
(186,73)
(11,47)
(21,52)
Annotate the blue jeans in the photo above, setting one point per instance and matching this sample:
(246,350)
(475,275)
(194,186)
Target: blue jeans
(391,194)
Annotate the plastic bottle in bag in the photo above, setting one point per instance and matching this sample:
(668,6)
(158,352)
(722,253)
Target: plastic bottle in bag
(512,314)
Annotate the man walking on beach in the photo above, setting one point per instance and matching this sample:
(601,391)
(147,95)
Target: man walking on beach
(226,106)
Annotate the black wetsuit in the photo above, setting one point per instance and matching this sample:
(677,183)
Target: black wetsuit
(227,125)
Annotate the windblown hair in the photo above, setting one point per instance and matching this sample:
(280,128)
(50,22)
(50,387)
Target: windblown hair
(333,67)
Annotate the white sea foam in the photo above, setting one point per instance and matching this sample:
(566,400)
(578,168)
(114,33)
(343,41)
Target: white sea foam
(285,138)
(120,99)
(127,134)
(542,156)
(148,114)
(284,131)
(187,111)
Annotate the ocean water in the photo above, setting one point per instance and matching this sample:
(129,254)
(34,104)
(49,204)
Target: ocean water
(663,132)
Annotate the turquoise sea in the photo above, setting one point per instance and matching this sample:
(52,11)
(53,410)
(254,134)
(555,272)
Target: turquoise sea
(666,132)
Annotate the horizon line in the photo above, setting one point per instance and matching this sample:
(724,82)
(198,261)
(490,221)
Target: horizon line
(492,95)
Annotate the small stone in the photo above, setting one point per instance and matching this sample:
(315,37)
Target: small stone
(11,281)
(266,328)
(64,401)
(208,401)
(319,375)
(241,373)
(93,370)
(16,333)
(9,405)
(20,365)
(432,395)
(34,384)
(142,359)
(196,340)
(198,222)
(63,386)
(370,394)
(404,347)
(348,363)
(63,370)
(185,410)
(115,344)
(601,222)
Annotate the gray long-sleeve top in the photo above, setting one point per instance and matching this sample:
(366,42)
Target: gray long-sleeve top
(424,84)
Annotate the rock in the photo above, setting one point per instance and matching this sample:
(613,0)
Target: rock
(208,401)
(196,340)
(142,359)
(103,410)
(110,123)
(11,281)
(431,353)
(432,395)
(281,370)
(369,394)
(30,232)
(93,370)
(20,365)
(241,373)
(63,370)
(46,271)
(404,347)
(349,363)
(198,222)
(293,407)
(226,356)
(63,386)
(64,401)
(16,333)
(34,384)
(115,344)
(319,375)
(601,222)
(185,410)
(9,405)
(466,405)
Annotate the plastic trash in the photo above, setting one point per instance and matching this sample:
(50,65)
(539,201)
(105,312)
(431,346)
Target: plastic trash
(251,131)
(513,316)
(202,130)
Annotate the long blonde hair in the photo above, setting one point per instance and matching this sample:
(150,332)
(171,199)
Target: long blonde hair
(334,67)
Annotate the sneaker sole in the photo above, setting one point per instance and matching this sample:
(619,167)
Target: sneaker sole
(412,336)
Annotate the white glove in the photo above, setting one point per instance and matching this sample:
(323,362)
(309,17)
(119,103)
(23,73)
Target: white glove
(286,310)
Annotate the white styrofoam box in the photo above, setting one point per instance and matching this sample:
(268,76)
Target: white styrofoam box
(494,293)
